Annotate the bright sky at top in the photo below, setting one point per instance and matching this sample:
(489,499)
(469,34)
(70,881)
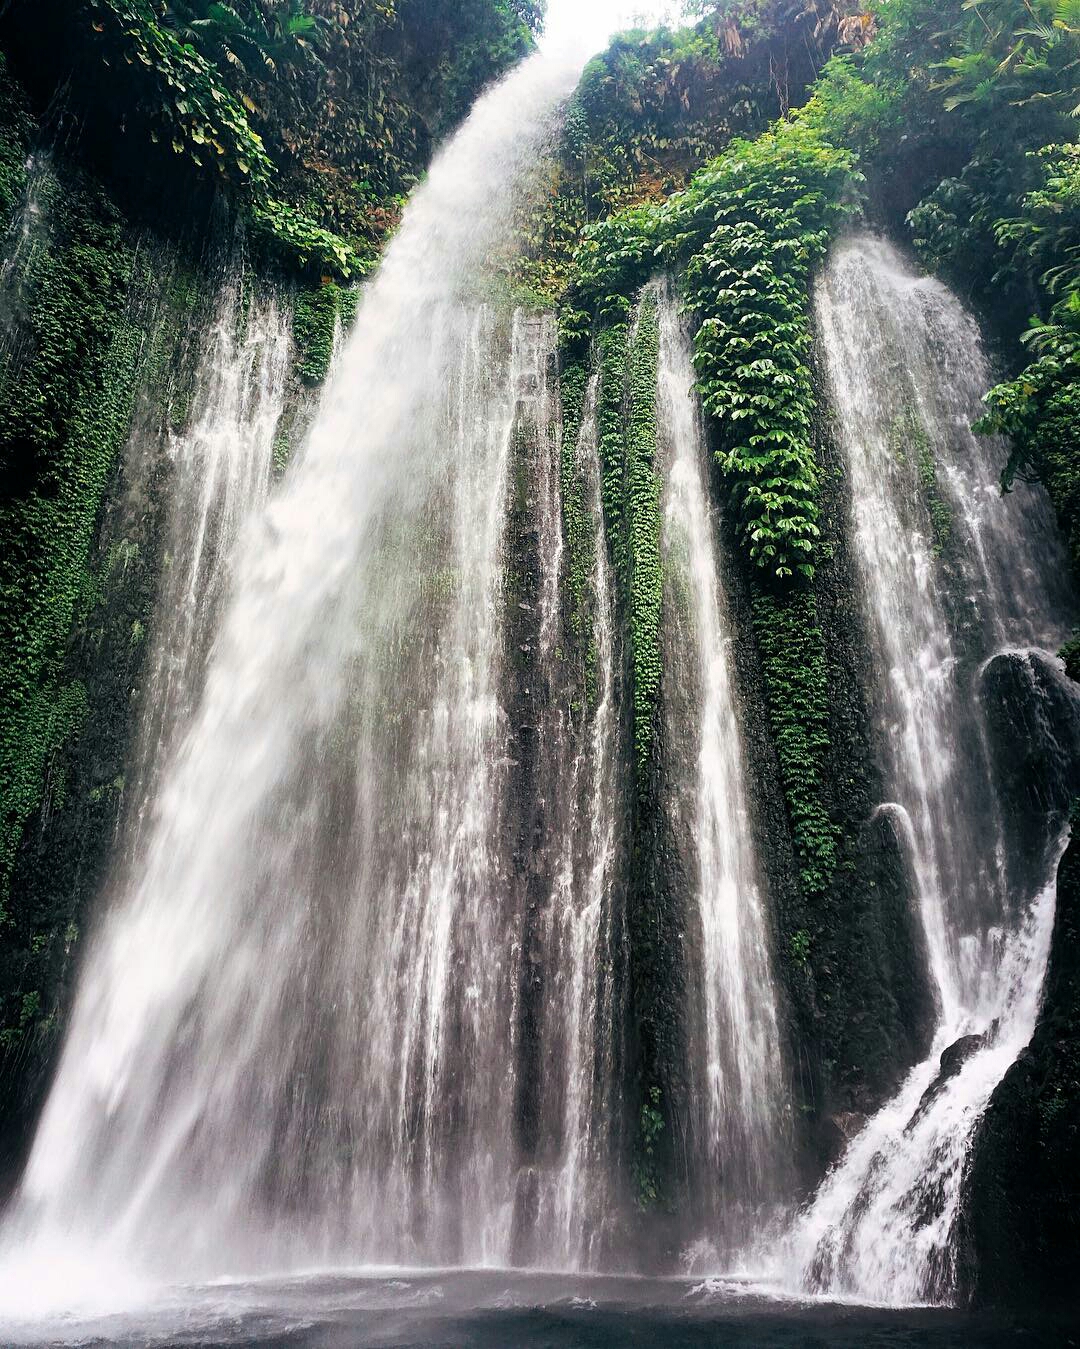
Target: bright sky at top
(592,22)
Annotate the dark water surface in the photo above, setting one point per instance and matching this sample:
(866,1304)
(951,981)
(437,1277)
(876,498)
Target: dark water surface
(488,1309)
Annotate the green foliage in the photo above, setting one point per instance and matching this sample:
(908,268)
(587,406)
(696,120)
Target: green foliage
(645,1169)
(909,443)
(797,693)
(579,531)
(630,492)
(15,129)
(942,110)
(646,583)
(771,205)
(317,311)
(316,120)
(1070,654)
(1040,411)
(295,233)
(273,39)
(612,347)
(748,230)
(187,100)
(1050,452)
(856,107)
(940,511)
(964,113)
(1048,231)
(180,92)
(63,416)
(1017,55)
(656,103)
(652,109)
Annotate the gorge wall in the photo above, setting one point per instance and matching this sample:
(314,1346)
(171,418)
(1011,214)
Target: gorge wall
(701,847)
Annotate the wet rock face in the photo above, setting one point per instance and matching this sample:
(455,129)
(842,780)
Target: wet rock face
(954,1058)
(890,1002)
(1032,718)
(949,1064)
(1022,1207)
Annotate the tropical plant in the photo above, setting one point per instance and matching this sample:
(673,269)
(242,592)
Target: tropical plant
(264,41)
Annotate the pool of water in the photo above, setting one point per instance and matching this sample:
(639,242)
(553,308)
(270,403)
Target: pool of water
(488,1309)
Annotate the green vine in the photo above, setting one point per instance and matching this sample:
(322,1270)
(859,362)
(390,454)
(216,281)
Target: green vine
(63,418)
(630,490)
(578,524)
(748,231)
(186,101)
(793,658)
(646,1172)
(643,512)
(16,127)
(612,349)
(317,312)
(908,439)
(770,205)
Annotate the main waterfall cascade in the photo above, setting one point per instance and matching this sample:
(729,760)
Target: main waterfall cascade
(737,1071)
(957,582)
(293,1040)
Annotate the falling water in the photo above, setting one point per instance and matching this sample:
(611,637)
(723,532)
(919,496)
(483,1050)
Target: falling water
(293,1037)
(27,234)
(574,1199)
(220,473)
(739,1073)
(951,573)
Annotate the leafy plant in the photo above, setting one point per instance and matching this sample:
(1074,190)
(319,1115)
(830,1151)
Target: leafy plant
(645,1169)
(181,92)
(748,230)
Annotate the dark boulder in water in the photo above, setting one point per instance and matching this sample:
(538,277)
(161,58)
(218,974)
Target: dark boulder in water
(949,1064)
(957,1054)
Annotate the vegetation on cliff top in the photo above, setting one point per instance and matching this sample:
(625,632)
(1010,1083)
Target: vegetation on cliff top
(315,115)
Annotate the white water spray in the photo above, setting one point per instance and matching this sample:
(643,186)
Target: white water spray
(291,1038)
(906,373)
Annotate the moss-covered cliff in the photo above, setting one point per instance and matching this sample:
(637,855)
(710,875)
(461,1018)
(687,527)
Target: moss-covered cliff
(141,165)
(880,132)
(726,157)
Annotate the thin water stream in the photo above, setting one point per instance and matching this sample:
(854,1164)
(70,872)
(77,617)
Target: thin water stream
(738,1068)
(220,474)
(575,1201)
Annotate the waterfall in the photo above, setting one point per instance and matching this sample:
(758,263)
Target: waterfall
(28,230)
(953,575)
(737,1069)
(293,1039)
(220,470)
(574,1202)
